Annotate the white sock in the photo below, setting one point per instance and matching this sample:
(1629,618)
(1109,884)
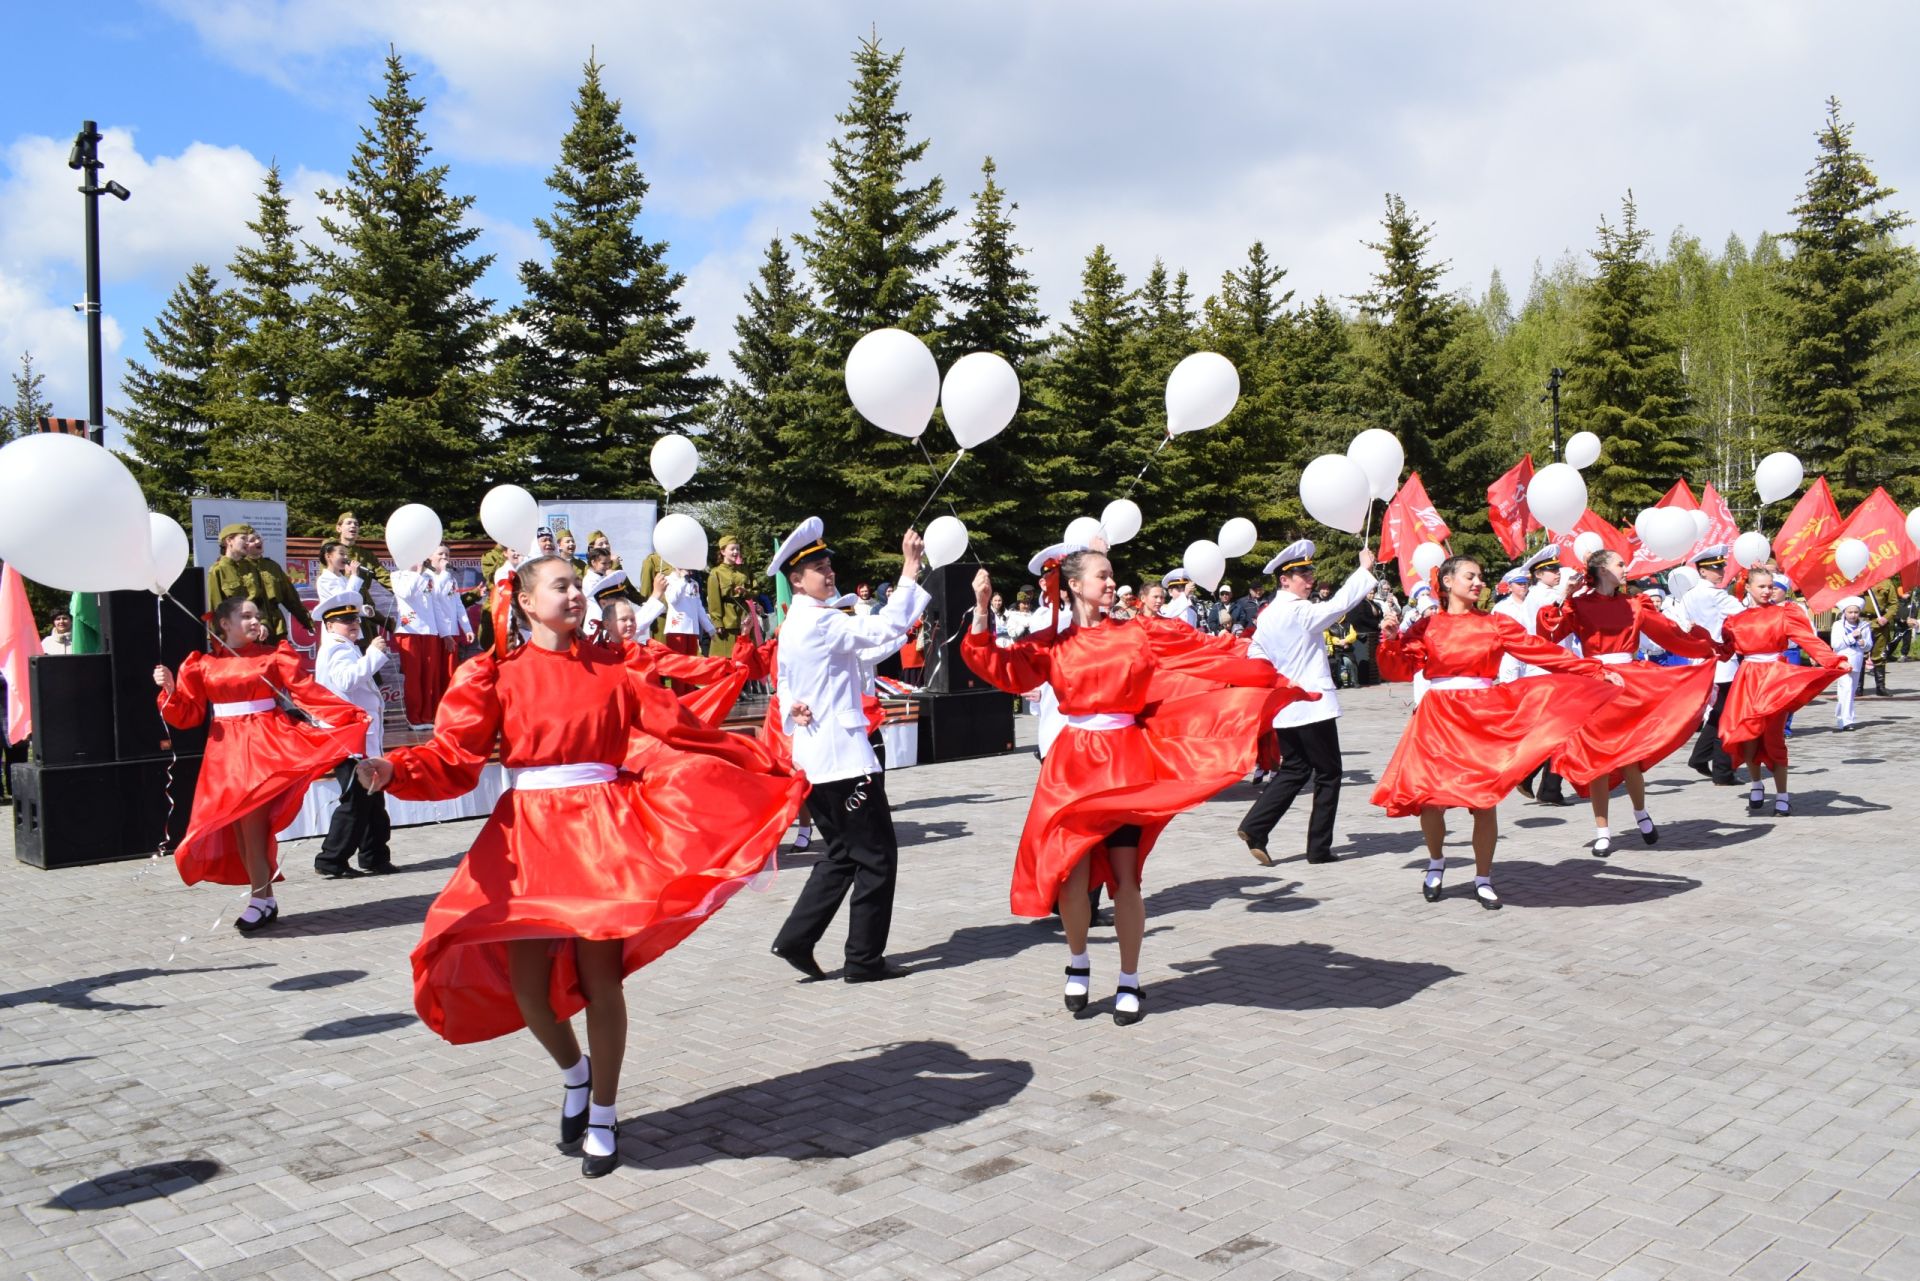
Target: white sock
(599,1142)
(1603,834)
(1126,995)
(259,907)
(1482,880)
(1780,796)
(1643,820)
(1759,792)
(1436,870)
(1076,984)
(575,1080)
(803,836)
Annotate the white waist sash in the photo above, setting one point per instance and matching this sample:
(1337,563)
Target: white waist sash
(540,778)
(1460,682)
(1613,659)
(1760,658)
(1102,721)
(244,709)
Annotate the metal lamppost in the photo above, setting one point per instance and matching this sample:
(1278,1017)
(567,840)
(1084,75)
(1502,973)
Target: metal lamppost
(1554,376)
(86,156)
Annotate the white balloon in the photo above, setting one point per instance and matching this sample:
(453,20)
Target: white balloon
(1336,492)
(674,460)
(1586,545)
(52,481)
(1201,390)
(1428,557)
(1751,548)
(1701,524)
(1583,450)
(1237,537)
(1777,476)
(1669,532)
(413,533)
(1082,530)
(1640,523)
(681,542)
(1681,580)
(1120,521)
(510,517)
(1207,563)
(893,381)
(946,540)
(1557,496)
(167,544)
(1379,454)
(1851,557)
(981,393)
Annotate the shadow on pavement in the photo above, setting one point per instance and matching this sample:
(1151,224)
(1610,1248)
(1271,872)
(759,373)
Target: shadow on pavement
(77,994)
(912,833)
(1834,803)
(834,1110)
(1575,882)
(374,914)
(1259,893)
(964,798)
(358,1025)
(322,978)
(1293,976)
(141,1183)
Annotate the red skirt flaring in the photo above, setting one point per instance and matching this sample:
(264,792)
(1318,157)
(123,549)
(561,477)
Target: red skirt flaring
(644,859)
(263,760)
(1657,710)
(1467,748)
(1184,751)
(1759,701)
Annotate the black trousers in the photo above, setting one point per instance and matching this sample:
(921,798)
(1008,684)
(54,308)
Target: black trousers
(1548,786)
(359,826)
(862,856)
(1307,752)
(1707,753)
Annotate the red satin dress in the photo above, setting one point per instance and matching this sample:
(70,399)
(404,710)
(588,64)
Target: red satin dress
(707,687)
(1764,693)
(1467,748)
(1660,707)
(259,759)
(692,815)
(1196,713)
(773,728)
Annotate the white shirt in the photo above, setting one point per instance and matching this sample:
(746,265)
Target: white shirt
(1291,634)
(327,583)
(449,614)
(820,666)
(1857,638)
(413,590)
(51,644)
(342,668)
(1709,607)
(686,615)
(1180,607)
(1513,607)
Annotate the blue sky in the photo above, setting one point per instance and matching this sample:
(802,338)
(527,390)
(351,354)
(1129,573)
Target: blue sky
(1183,131)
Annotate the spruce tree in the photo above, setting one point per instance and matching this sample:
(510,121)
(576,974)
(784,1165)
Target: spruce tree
(1846,396)
(400,366)
(30,403)
(601,365)
(169,404)
(994,306)
(871,257)
(1624,384)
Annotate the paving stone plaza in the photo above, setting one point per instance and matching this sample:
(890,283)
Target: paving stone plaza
(1699,1059)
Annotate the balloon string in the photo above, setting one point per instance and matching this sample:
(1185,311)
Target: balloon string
(935,469)
(937,487)
(1143,467)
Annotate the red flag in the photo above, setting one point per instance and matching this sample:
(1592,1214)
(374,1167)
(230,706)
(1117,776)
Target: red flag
(1610,538)
(19,641)
(1810,528)
(1721,526)
(1410,521)
(1507,507)
(1882,526)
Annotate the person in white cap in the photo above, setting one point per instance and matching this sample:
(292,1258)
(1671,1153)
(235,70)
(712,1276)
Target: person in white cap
(820,685)
(1549,589)
(359,827)
(1290,633)
(1513,589)
(1708,605)
(1852,639)
(1179,585)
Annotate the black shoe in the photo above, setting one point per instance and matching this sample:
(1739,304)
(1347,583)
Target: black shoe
(1650,835)
(1782,809)
(1328,857)
(592,1167)
(1077,1003)
(800,959)
(574,1128)
(1731,780)
(1525,788)
(1432,892)
(1602,846)
(1486,896)
(260,922)
(1259,852)
(1125,1018)
(1552,798)
(341,873)
(378,869)
(876,974)
(1756,800)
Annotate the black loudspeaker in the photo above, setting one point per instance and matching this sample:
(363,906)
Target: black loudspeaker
(72,708)
(141,630)
(949,614)
(954,727)
(65,815)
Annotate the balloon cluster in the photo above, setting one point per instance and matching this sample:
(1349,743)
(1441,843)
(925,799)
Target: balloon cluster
(111,542)
(1339,491)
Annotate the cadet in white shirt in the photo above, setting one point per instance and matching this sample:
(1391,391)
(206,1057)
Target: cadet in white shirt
(820,698)
(1514,585)
(1547,589)
(359,826)
(1852,639)
(1179,586)
(1291,634)
(1708,606)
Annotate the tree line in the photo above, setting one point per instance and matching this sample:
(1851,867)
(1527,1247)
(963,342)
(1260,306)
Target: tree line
(361,369)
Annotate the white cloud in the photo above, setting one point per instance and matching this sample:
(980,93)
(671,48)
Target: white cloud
(57,336)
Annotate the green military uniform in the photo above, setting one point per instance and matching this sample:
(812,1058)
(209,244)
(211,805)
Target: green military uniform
(260,580)
(643,584)
(726,603)
(370,566)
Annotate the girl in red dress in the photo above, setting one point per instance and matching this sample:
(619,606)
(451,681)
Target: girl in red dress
(259,761)
(1658,709)
(1139,748)
(628,824)
(1470,739)
(1767,689)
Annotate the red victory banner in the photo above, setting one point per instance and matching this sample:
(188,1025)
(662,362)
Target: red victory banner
(1610,538)
(1882,526)
(1507,507)
(1812,525)
(1410,520)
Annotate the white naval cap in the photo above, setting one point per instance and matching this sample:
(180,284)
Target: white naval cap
(807,540)
(1518,574)
(1547,557)
(1050,556)
(1175,576)
(339,605)
(1846,603)
(1714,557)
(614,584)
(1294,557)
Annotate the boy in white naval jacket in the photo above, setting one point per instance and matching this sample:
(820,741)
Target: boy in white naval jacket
(359,826)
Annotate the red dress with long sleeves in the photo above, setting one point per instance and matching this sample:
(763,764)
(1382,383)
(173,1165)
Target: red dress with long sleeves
(1466,748)
(254,759)
(707,686)
(1189,715)
(1767,691)
(692,814)
(1660,707)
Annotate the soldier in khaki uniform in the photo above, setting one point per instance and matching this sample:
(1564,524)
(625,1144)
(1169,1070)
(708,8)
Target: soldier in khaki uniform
(651,568)
(727,597)
(347,531)
(243,570)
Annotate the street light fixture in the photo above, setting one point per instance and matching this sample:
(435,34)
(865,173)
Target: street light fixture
(85,155)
